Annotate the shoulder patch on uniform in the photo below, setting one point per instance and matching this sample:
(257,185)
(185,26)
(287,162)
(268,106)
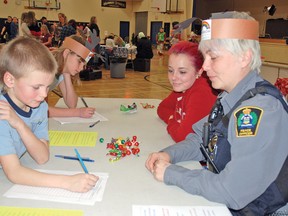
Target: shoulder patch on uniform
(247,121)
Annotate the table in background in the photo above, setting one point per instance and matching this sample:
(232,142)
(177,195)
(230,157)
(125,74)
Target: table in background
(129,53)
(129,181)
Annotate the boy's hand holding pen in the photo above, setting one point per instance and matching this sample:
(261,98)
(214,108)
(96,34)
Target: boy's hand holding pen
(81,182)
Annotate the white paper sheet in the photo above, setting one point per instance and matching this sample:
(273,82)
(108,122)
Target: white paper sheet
(75,120)
(156,210)
(60,195)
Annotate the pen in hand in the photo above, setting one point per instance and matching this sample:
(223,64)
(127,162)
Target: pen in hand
(92,125)
(84,102)
(81,161)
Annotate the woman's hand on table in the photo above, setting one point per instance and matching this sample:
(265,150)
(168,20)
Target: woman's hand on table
(157,163)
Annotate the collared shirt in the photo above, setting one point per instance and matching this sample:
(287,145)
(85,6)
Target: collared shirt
(66,32)
(255,160)
(36,119)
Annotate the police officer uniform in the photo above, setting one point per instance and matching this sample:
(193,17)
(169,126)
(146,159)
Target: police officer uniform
(256,132)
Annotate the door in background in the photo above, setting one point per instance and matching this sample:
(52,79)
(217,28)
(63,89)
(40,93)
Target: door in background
(141,22)
(124,30)
(155,26)
(167,29)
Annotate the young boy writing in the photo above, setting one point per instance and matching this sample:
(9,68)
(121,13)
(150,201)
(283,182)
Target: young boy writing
(27,69)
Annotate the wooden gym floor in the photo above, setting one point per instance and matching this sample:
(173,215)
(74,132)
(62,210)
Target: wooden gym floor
(153,84)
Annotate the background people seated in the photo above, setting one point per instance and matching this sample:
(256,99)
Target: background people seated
(144,47)
(109,41)
(119,41)
(44,21)
(110,44)
(193,37)
(46,37)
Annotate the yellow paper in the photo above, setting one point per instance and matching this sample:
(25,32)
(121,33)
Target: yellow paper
(73,138)
(17,211)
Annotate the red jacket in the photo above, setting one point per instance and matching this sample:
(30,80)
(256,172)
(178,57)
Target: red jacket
(187,108)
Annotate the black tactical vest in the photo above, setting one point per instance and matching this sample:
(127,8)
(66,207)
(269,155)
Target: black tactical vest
(218,154)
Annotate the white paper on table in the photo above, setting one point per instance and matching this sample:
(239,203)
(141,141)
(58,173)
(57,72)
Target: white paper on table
(58,194)
(157,210)
(69,120)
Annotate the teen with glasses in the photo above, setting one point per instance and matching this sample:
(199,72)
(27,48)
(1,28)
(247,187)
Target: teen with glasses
(71,57)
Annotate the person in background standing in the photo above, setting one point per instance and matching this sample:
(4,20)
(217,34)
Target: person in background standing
(144,47)
(6,32)
(58,28)
(160,39)
(67,30)
(23,27)
(93,25)
(14,28)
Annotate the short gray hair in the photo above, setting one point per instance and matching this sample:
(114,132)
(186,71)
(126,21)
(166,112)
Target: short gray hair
(235,46)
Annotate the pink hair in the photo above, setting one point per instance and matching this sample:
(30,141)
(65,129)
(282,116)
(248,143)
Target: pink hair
(190,49)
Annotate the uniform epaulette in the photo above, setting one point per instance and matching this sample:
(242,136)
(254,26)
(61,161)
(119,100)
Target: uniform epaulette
(262,87)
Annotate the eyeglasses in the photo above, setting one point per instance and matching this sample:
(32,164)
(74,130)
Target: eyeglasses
(80,59)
